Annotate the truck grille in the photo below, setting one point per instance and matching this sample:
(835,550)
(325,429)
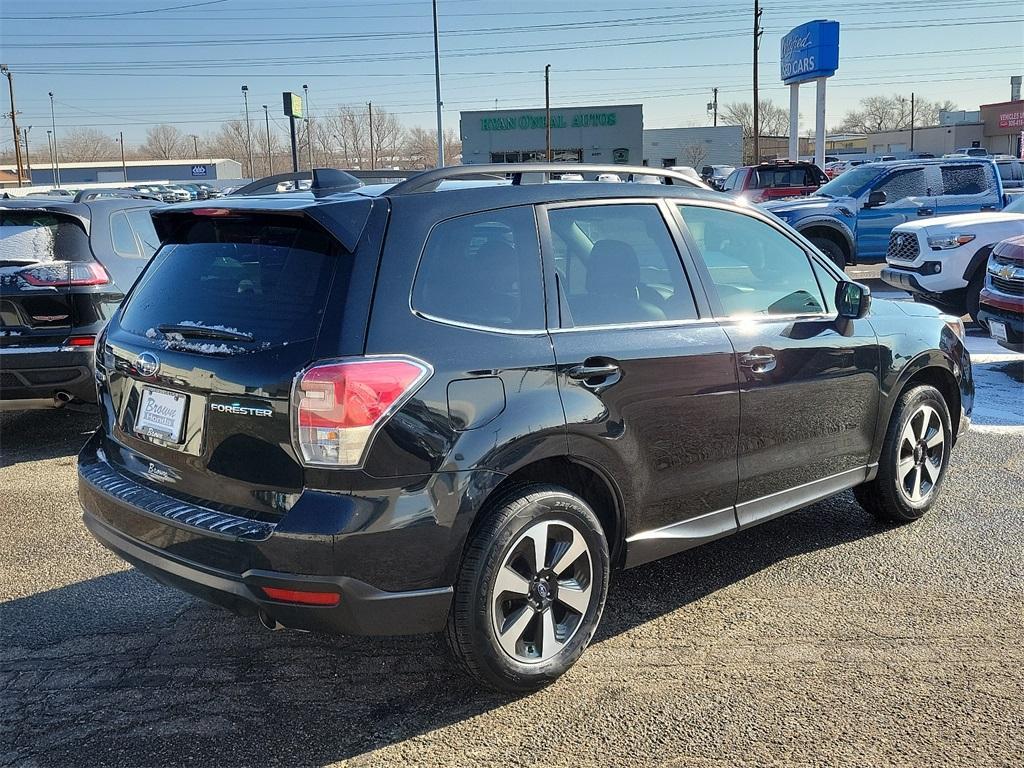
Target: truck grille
(902,247)
(1009,287)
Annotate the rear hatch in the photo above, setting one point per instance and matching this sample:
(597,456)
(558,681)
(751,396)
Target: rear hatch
(49,279)
(200,362)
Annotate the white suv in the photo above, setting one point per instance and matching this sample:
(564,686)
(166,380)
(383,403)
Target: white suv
(942,261)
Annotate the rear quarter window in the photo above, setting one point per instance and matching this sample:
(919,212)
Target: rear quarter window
(483,269)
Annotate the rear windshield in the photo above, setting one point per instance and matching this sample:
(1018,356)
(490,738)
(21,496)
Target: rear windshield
(265,277)
(31,236)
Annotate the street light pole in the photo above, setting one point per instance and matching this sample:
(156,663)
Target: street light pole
(14,120)
(49,147)
(547,111)
(56,152)
(373,159)
(437,92)
(195,144)
(270,161)
(757,106)
(309,125)
(124,165)
(248,130)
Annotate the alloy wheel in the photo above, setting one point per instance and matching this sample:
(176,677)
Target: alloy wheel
(921,454)
(542,591)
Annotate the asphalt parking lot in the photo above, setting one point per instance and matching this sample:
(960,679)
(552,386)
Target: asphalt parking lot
(821,638)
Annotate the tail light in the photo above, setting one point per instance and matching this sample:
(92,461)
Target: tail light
(60,273)
(80,341)
(338,406)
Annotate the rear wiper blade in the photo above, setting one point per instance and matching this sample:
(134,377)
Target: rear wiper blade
(202,332)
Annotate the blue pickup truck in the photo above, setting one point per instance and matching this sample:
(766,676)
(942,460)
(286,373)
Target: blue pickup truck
(850,218)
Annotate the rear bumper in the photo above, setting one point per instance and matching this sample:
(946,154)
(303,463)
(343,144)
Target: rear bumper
(227,560)
(361,609)
(39,374)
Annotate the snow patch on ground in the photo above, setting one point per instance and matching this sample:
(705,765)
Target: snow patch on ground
(998,393)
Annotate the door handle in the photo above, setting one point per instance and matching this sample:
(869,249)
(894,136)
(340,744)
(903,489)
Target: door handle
(925,211)
(586,372)
(758,362)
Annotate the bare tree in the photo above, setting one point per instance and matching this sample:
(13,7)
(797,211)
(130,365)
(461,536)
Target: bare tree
(892,113)
(696,155)
(421,147)
(388,138)
(163,142)
(228,142)
(773,121)
(347,128)
(86,145)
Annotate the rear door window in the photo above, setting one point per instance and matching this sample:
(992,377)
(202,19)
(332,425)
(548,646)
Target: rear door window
(142,226)
(964,179)
(122,237)
(264,276)
(617,264)
(483,269)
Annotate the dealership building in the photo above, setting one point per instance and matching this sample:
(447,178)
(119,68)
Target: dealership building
(72,174)
(607,134)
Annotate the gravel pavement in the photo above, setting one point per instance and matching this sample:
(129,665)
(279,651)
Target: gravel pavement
(821,638)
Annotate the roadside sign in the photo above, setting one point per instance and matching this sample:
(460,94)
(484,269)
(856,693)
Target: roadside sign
(292,105)
(199,170)
(810,51)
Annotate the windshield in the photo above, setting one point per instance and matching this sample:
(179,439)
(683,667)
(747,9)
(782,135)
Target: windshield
(850,182)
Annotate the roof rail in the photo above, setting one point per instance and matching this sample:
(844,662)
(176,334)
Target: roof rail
(93,194)
(428,180)
(325,181)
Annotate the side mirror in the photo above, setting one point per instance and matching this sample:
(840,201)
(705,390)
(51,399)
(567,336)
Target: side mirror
(876,198)
(853,300)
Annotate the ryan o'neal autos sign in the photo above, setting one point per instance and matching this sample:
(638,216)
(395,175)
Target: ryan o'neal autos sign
(528,122)
(810,51)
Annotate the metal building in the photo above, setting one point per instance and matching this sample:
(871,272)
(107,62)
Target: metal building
(665,147)
(138,171)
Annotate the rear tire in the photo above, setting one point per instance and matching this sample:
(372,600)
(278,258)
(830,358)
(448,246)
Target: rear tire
(914,458)
(831,249)
(515,625)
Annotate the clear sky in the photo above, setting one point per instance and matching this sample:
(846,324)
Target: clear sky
(127,64)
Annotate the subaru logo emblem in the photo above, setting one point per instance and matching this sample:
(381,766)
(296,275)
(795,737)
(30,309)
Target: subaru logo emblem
(147,364)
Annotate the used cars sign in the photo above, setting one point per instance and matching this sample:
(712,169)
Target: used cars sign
(810,51)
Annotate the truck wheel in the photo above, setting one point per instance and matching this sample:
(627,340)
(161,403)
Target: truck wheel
(914,458)
(831,249)
(531,589)
(972,299)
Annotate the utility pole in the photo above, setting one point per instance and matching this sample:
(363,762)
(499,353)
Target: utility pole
(270,161)
(309,126)
(14,120)
(373,160)
(757,107)
(195,144)
(28,157)
(547,111)
(714,106)
(49,147)
(437,93)
(56,152)
(124,165)
(248,131)
(911,122)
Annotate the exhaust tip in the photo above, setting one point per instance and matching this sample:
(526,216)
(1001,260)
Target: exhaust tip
(63,397)
(269,622)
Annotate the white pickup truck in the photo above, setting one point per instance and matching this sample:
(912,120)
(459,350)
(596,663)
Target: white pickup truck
(942,261)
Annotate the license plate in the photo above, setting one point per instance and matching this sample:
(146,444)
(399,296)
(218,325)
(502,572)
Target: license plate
(161,414)
(997,329)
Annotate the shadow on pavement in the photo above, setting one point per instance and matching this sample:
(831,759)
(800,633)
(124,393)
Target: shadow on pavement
(120,670)
(44,434)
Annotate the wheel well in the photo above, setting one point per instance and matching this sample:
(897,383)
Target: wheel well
(579,479)
(943,381)
(828,233)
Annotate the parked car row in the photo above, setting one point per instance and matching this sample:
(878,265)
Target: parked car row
(178,193)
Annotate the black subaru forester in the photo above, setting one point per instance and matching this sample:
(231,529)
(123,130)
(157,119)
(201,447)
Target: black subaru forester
(457,405)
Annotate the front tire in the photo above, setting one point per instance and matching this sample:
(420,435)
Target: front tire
(531,589)
(831,249)
(914,458)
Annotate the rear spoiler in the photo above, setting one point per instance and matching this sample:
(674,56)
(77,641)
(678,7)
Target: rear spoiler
(325,181)
(343,220)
